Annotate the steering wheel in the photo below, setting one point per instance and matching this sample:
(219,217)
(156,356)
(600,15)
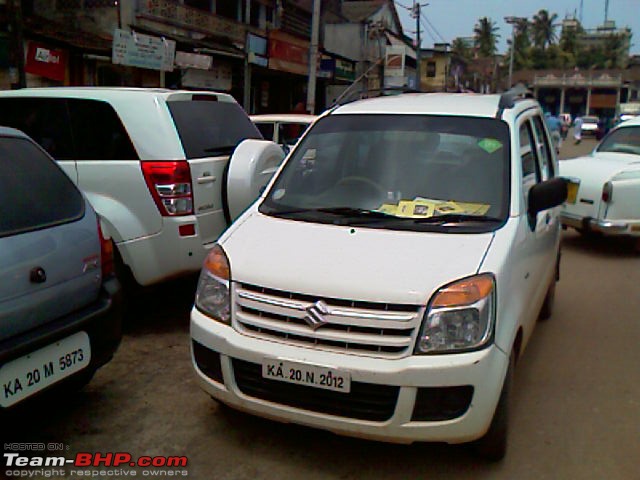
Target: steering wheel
(364,180)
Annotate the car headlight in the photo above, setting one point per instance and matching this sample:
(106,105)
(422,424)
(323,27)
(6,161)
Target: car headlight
(460,317)
(212,295)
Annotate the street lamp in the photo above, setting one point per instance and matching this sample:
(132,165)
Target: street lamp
(514,22)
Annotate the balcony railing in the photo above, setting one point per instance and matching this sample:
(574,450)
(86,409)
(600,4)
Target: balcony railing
(578,80)
(64,5)
(169,11)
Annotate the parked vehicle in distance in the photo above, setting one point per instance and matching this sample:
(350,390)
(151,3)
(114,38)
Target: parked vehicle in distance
(604,188)
(285,129)
(391,274)
(152,162)
(590,125)
(565,118)
(60,303)
(628,111)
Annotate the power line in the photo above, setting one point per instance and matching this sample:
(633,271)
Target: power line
(426,29)
(424,17)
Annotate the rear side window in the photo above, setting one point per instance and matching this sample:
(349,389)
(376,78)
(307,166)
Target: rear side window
(266,129)
(208,127)
(46,120)
(34,192)
(98,132)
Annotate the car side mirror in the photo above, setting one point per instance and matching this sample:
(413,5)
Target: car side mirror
(547,194)
(251,166)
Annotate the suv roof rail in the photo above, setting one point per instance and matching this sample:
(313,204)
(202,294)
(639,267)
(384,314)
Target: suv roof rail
(509,98)
(374,92)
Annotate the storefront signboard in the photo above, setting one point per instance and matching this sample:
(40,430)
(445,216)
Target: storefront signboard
(143,51)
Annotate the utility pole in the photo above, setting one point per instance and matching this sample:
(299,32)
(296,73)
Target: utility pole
(246,97)
(17,42)
(513,21)
(415,13)
(313,57)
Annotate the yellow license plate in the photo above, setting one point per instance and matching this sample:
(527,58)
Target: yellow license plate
(572,191)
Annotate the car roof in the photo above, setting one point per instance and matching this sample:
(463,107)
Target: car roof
(635,121)
(108,93)
(458,104)
(12,132)
(283,117)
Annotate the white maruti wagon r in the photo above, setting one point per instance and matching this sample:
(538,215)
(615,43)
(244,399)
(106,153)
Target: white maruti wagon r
(390,275)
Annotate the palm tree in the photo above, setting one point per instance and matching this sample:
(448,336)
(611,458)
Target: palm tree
(460,48)
(485,37)
(544,30)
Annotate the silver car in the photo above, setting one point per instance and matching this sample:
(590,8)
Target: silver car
(60,303)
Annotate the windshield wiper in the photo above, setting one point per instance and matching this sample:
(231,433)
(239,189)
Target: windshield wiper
(223,150)
(455,218)
(348,212)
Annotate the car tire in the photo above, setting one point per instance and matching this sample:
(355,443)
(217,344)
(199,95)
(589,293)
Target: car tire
(547,306)
(493,445)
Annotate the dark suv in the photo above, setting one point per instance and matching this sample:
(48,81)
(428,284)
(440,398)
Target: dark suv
(60,303)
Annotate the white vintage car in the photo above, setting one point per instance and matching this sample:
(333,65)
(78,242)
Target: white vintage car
(604,187)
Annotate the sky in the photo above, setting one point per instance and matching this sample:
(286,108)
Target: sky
(456,18)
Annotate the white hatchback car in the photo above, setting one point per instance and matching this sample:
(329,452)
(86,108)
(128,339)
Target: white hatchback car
(391,274)
(604,188)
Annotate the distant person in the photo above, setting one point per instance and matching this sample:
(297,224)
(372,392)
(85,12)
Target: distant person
(554,125)
(577,130)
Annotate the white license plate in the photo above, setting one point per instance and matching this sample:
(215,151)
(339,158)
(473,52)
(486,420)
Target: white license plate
(305,374)
(27,375)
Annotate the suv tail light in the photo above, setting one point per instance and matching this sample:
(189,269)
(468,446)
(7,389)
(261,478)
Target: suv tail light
(106,254)
(607,192)
(170,185)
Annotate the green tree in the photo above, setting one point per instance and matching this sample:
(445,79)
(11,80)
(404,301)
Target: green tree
(543,29)
(460,48)
(522,42)
(486,37)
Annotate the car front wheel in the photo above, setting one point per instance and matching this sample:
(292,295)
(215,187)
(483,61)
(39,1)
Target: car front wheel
(493,445)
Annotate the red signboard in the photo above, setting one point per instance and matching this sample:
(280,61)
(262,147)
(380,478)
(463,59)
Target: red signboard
(288,53)
(45,61)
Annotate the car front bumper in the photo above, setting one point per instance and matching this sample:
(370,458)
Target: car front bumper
(219,353)
(608,227)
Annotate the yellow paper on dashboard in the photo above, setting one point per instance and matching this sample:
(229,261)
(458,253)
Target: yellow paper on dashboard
(388,208)
(473,208)
(416,208)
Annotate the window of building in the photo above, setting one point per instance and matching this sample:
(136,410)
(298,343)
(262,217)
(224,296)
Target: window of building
(199,4)
(431,69)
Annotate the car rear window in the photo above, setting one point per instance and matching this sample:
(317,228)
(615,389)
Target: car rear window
(208,127)
(35,192)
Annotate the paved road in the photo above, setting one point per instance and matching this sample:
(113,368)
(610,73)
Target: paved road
(576,412)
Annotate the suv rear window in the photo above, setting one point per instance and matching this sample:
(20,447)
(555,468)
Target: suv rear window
(35,192)
(208,127)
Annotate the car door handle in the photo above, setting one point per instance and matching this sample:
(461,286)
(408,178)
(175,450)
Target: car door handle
(206,179)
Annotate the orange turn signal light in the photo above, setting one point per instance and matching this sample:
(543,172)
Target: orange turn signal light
(464,292)
(217,264)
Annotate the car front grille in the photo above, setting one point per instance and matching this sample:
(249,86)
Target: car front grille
(365,401)
(365,328)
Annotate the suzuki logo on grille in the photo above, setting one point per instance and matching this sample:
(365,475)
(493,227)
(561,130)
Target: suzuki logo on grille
(315,314)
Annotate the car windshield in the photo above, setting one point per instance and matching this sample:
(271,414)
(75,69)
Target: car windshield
(622,140)
(397,171)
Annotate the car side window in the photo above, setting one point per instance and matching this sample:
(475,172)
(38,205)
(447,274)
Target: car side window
(544,152)
(528,157)
(266,129)
(98,132)
(45,120)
